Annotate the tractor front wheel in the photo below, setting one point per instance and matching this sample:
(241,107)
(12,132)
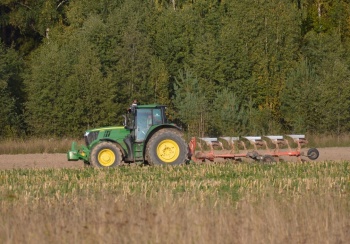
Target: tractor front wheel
(105,154)
(167,147)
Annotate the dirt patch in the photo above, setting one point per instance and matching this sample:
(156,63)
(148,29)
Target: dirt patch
(21,161)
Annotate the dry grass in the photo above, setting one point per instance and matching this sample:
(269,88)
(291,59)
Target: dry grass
(308,219)
(208,203)
(36,145)
(329,140)
(168,219)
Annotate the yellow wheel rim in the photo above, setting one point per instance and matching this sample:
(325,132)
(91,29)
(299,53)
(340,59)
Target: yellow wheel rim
(106,157)
(168,151)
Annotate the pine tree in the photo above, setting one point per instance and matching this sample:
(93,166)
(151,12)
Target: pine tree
(300,99)
(190,104)
(229,116)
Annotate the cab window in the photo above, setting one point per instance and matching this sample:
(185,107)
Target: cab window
(156,117)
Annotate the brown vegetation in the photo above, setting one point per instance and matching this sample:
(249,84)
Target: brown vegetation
(165,219)
(36,145)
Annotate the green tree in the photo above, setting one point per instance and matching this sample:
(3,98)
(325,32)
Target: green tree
(300,99)
(191,106)
(11,93)
(131,56)
(79,11)
(260,46)
(173,38)
(24,24)
(159,82)
(328,57)
(229,116)
(67,91)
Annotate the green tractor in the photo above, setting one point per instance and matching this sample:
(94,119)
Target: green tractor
(146,137)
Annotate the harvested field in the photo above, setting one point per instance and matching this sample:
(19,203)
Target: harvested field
(46,199)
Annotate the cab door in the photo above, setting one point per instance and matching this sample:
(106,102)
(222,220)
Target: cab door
(143,123)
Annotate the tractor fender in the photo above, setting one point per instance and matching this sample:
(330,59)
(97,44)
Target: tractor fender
(124,152)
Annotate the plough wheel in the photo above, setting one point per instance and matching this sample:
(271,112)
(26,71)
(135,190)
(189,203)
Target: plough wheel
(253,154)
(313,153)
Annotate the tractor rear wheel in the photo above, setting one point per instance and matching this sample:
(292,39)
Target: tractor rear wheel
(167,147)
(105,154)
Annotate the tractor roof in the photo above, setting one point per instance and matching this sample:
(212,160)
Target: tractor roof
(150,106)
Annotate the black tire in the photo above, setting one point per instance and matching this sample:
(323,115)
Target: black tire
(313,153)
(105,155)
(253,155)
(267,159)
(167,147)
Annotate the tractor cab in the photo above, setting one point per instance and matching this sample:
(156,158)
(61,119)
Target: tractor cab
(141,118)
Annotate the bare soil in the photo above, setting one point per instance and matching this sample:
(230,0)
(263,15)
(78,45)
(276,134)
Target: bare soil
(22,161)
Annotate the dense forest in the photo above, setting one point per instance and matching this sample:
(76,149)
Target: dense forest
(223,67)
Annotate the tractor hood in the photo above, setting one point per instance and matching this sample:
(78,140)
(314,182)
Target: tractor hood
(105,133)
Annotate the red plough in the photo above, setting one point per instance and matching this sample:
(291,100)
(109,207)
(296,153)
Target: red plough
(212,155)
(217,150)
(300,140)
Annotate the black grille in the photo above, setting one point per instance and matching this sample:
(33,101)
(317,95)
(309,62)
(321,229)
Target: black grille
(91,137)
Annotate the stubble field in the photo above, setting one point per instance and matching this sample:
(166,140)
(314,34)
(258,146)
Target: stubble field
(44,198)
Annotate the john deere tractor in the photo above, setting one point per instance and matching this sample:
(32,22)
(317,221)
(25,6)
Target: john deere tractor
(146,137)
